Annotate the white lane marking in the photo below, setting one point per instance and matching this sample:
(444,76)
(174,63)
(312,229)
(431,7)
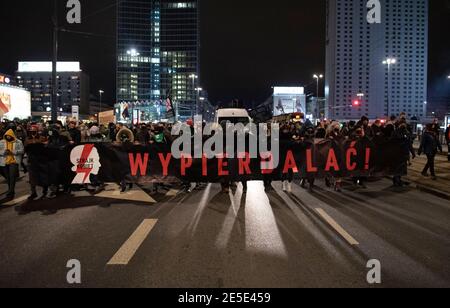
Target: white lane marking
(337,227)
(16,201)
(129,248)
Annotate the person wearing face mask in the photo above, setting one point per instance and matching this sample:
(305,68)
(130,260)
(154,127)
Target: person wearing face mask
(11,152)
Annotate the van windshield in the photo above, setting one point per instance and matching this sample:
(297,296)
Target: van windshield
(235,120)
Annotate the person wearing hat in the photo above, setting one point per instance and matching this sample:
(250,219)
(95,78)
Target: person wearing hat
(11,152)
(94,135)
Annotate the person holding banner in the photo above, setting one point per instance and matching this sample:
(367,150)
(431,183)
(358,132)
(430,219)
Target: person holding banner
(11,152)
(37,173)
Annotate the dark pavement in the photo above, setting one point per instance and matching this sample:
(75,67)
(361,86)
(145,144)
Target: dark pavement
(209,239)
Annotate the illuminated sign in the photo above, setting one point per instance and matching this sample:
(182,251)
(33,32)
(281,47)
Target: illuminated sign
(32,67)
(288,100)
(288,90)
(4,79)
(14,103)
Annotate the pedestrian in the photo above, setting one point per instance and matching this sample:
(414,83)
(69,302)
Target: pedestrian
(74,132)
(58,140)
(403,137)
(336,138)
(286,142)
(447,139)
(95,135)
(11,152)
(429,146)
(36,174)
(357,136)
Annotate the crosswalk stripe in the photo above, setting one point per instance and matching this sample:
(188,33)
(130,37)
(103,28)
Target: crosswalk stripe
(337,227)
(130,247)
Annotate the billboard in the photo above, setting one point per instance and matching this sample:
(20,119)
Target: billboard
(33,67)
(14,103)
(288,100)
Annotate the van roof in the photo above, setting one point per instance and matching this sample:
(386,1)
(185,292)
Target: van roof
(233,112)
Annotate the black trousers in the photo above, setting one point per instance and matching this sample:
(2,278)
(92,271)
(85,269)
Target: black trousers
(11,174)
(448,155)
(430,164)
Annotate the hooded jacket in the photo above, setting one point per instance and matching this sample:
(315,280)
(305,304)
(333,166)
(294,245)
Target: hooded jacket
(15,146)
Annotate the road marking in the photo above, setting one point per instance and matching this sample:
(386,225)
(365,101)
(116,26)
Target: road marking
(16,201)
(112,191)
(337,227)
(129,248)
(172,193)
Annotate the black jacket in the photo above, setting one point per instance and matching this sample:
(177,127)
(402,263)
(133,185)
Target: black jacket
(75,134)
(430,144)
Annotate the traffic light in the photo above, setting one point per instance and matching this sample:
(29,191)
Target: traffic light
(356,103)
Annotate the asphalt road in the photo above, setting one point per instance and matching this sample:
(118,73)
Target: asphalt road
(209,239)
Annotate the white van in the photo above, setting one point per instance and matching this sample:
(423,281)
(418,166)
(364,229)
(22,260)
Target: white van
(233,115)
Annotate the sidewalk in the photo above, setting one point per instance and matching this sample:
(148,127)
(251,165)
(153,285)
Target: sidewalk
(441,187)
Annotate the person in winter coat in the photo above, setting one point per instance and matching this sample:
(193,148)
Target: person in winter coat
(11,152)
(447,138)
(75,133)
(335,136)
(37,174)
(403,137)
(429,146)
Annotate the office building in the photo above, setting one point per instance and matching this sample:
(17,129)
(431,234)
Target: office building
(376,69)
(158,55)
(73,86)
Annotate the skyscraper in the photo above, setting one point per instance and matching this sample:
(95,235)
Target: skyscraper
(158,53)
(376,69)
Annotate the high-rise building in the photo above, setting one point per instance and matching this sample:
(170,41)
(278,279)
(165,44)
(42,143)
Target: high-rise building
(73,86)
(376,69)
(158,53)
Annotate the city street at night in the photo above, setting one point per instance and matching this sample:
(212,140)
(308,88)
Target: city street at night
(214,240)
(225,152)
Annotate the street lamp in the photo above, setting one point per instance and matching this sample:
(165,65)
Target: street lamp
(100,92)
(389,62)
(317,77)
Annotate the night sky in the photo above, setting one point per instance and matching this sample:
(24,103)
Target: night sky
(247,46)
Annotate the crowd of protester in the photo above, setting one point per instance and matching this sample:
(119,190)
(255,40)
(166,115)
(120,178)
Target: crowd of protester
(15,137)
